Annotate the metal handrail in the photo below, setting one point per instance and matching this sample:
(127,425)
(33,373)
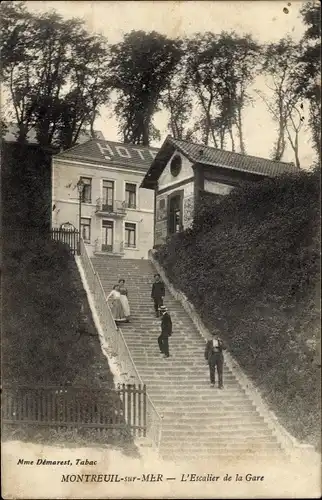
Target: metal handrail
(114,333)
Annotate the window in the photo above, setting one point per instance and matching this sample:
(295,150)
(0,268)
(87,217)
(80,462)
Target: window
(175,165)
(86,229)
(87,190)
(130,195)
(130,235)
(108,230)
(108,196)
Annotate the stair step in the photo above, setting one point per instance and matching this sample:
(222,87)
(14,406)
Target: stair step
(226,433)
(222,457)
(235,454)
(213,446)
(189,399)
(198,421)
(219,423)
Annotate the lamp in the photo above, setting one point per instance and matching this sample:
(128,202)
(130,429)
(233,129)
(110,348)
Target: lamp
(80,187)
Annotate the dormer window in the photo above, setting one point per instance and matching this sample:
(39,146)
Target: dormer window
(175,165)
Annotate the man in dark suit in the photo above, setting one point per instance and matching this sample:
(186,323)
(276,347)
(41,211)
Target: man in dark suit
(166,332)
(215,359)
(158,293)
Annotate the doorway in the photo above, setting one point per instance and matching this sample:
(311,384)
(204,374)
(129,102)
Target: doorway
(175,213)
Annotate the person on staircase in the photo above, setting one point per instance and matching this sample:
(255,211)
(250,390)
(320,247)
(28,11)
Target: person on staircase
(215,359)
(116,307)
(124,300)
(166,332)
(157,294)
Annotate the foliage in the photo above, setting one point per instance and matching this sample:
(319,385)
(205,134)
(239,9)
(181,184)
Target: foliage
(55,74)
(177,100)
(15,22)
(280,65)
(307,79)
(141,66)
(26,181)
(58,76)
(219,69)
(251,266)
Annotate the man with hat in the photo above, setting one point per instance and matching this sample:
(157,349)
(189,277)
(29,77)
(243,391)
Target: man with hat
(215,359)
(157,293)
(166,332)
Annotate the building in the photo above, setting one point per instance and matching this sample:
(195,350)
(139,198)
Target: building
(182,172)
(116,213)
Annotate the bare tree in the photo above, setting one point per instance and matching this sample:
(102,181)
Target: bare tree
(220,69)
(177,100)
(294,123)
(279,65)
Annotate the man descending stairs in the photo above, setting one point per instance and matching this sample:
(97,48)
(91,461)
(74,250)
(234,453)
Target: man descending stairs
(199,422)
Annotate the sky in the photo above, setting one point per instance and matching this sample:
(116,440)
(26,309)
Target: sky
(265,20)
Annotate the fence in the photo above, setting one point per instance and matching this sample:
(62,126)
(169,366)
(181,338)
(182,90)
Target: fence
(68,236)
(76,407)
(114,336)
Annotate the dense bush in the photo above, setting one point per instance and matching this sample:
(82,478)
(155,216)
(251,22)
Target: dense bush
(251,266)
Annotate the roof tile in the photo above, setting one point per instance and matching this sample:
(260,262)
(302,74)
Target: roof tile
(130,156)
(207,155)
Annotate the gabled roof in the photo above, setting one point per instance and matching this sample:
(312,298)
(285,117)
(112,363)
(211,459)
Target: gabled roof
(129,156)
(206,155)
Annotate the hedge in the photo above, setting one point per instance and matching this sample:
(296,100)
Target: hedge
(251,266)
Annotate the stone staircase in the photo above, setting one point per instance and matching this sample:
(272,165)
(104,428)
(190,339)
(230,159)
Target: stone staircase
(199,422)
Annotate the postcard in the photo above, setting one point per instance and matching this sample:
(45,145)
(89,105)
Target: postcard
(160,260)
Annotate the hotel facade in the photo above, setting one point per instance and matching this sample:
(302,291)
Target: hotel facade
(115,215)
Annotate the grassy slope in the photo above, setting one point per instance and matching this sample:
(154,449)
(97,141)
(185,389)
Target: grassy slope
(42,299)
(251,266)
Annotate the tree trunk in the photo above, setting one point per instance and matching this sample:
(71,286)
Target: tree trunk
(240,131)
(22,133)
(315,125)
(280,144)
(296,150)
(232,138)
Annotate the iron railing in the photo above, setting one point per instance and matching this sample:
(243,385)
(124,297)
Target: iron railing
(75,407)
(69,237)
(115,207)
(114,337)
